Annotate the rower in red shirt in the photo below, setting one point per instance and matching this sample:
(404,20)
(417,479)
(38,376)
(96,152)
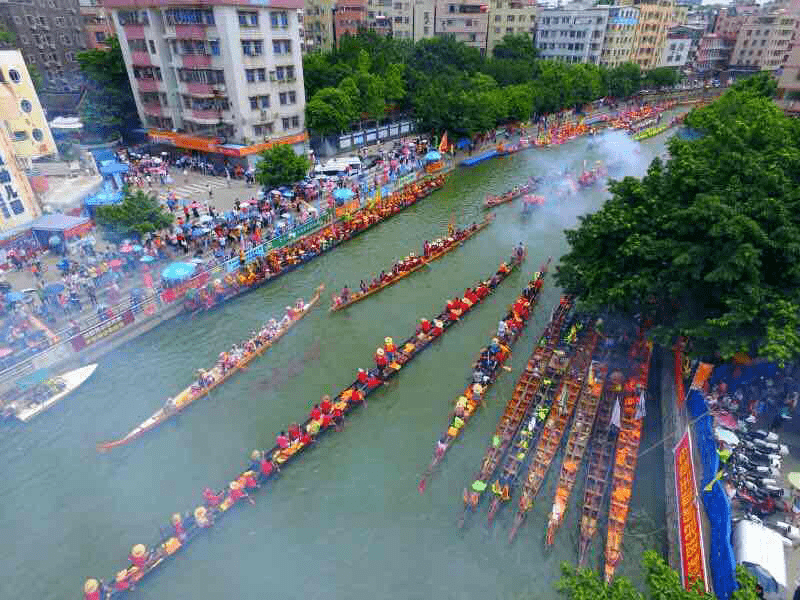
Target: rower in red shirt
(139,555)
(236,492)
(316,413)
(362,376)
(282,440)
(326,420)
(249,478)
(438,328)
(357,397)
(294,432)
(471,296)
(338,418)
(177,526)
(210,497)
(305,439)
(425,326)
(380,359)
(482,291)
(121,582)
(266,467)
(91,590)
(373,381)
(326,406)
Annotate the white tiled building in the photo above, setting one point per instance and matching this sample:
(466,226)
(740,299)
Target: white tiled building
(227,76)
(573,34)
(510,17)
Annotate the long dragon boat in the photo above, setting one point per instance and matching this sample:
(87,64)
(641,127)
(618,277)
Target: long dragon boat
(627,455)
(285,259)
(518,406)
(215,377)
(512,194)
(448,245)
(474,397)
(553,429)
(577,441)
(186,527)
(601,453)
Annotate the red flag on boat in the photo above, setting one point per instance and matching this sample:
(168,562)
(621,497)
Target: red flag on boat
(443,144)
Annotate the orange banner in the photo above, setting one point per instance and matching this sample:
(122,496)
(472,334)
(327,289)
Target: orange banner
(680,390)
(701,376)
(693,561)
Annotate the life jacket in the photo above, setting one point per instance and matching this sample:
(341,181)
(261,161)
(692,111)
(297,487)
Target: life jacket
(381,361)
(390,348)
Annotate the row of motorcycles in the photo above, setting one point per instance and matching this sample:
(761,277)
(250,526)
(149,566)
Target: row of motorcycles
(752,474)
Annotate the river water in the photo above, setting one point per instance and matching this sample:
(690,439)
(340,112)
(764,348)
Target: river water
(346,520)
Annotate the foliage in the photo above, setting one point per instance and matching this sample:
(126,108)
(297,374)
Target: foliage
(662,582)
(36,78)
(280,165)
(108,106)
(761,83)
(138,213)
(661,77)
(445,82)
(7,37)
(330,111)
(707,245)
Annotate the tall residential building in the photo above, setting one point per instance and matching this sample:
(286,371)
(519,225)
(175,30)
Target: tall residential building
(510,17)
(713,54)
(400,15)
(222,78)
(677,49)
(18,204)
(619,36)
(318,25)
(764,42)
(423,21)
(573,34)
(49,34)
(97,23)
(21,112)
(788,96)
(466,20)
(655,18)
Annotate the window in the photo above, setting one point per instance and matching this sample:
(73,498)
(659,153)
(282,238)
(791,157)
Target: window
(37,135)
(286,123)
(262,130)
(209,76)
(26,106)
(59,21)
(14,75)
(253,75)
(279,19)
(99,36)
(248,19)
(252,47)
(288,98)
(137,45)
(133,17)
(253,102)
(497,18)
(214,47)
(265,102)
(188,16)
(295,122)
(281,46)
(152,46)
(20,135)
(16,206)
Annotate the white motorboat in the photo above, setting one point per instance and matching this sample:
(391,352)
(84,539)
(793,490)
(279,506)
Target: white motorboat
(61,385)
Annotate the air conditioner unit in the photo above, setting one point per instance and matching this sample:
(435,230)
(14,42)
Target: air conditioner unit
(264,115)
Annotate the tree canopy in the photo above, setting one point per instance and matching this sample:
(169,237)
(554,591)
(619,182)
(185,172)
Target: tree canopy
(280,165)
(662,582)
(435,77)
(108,107)
(138,213)
(705,245)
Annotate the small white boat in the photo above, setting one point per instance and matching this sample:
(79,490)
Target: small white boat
(64,383)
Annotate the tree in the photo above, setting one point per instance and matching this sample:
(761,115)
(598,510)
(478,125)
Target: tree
(706,245)
(329,111)
(138,213)
(108,107)
(281,166)
(661,77)
(662,583)
(624,80)
(520,46)
(7,38)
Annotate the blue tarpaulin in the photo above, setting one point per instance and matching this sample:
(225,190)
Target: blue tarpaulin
(178,271)
(112,167)
(342,194)
(103,154)
(433,156)
(104,198)
(463,143)
(716,502)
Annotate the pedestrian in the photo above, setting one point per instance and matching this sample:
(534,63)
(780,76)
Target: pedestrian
(210,193)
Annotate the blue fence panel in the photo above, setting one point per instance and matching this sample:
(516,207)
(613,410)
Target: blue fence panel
(716,502)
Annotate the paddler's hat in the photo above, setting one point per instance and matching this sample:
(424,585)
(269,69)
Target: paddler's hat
(138,550)
(380,352)
(176,518)
(438,323)
(235,485)
(360,370)
(121,575)
(477,388)
(388,340)
(495,341)
(462,398)
(255,455)
(90,587)
(423,320)
(200,513)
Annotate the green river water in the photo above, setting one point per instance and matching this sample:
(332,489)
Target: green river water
(346,520)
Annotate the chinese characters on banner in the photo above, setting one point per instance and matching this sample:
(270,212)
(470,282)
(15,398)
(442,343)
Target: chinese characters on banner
(693,563)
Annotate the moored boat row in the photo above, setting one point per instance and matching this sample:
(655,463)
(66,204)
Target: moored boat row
(411,264)
(266,465)
(486,369)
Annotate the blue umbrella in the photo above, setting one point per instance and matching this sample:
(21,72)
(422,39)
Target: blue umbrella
(146,258)
(54,288)
(15,297)
(463,143)
(137,248)
(433,156)
(342,194)
(178,271)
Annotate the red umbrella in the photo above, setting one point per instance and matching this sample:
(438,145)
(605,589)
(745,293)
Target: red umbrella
(5,352)
(115,264)
(126,248)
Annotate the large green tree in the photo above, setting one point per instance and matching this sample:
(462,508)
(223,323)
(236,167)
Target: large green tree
(521,46)
(706,245)
(281,166)
(662,583)
(138,213)
(329,111)
(108,107)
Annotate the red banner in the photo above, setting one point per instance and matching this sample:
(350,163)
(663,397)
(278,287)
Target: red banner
(693,562)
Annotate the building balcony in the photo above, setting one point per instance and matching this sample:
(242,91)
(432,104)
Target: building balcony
(190,32)
(201,89)
(153,109)
(193,61)
(141,59)
(208,115)
(134,31)
(148,85)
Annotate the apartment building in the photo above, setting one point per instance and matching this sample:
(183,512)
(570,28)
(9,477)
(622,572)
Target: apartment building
(399,13)
(422,19)
(97,23)
(619,36)
(23,119)
(222,77)
(510,17)
(655,18)
(49,33)
(573,34)
(788,96)
(713,54)
(466,20)
(318,25)
(764,42)
(677,49)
